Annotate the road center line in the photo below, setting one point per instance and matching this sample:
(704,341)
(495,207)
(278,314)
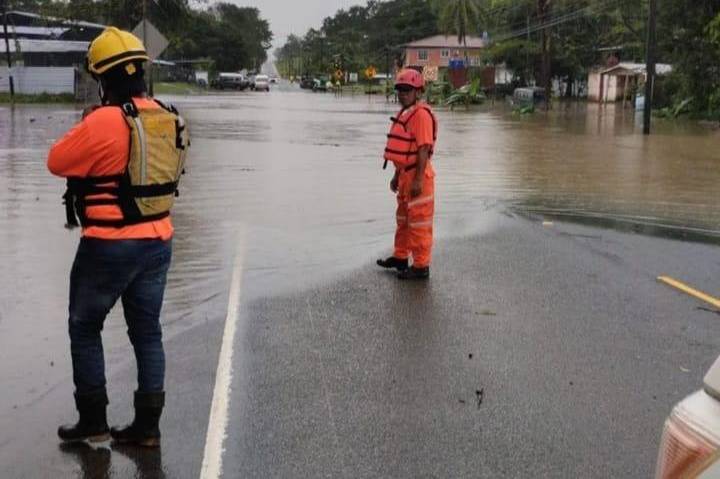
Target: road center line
(218,421)
(690,291)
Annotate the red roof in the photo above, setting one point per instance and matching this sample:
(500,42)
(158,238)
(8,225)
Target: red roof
(447,41)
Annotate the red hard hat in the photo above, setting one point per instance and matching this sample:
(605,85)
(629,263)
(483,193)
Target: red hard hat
(411,77)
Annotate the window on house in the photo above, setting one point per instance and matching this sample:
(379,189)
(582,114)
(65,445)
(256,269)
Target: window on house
(422,55)
(445,53)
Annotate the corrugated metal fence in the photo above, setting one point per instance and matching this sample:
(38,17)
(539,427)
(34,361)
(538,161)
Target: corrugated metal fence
(35,80)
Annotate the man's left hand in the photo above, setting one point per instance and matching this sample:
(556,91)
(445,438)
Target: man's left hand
(416,188)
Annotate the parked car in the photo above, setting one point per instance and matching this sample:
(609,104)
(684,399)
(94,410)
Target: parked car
(262,82)
(230,81)
(690,446)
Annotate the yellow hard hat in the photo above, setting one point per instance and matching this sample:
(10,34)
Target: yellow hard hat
(114,47)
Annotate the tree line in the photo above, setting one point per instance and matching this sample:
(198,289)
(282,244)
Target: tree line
(232,37)
(537,39)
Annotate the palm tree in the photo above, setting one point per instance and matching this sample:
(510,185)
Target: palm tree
(460,17)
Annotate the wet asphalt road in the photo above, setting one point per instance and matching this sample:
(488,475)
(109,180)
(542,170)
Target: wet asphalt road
(533,352)
(341,371)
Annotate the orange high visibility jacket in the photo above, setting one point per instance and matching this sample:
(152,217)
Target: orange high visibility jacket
(402,147)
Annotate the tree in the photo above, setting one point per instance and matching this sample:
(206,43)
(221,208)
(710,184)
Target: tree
(359,35)
(460,17)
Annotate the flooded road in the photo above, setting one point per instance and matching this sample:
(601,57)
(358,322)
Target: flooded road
(292,182)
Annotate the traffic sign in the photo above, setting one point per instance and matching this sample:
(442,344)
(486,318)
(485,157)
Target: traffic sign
(155,43)
(430,74)
(370,72)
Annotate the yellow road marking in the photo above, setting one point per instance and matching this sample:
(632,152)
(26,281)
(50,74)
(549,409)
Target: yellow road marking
(689,290)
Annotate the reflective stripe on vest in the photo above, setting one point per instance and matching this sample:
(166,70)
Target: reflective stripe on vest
(401,146)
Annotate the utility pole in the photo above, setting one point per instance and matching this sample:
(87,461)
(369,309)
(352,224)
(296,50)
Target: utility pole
(7,53)
(650,67)
(528,70)
(387,72)
(543,10)
(144,34)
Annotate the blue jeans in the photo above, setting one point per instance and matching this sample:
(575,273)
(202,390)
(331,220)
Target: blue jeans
(103,271)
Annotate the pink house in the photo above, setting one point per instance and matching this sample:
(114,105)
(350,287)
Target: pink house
(437,51)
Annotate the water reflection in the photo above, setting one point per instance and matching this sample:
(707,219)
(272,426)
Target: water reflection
(147,461)
(94,463)
(97,462)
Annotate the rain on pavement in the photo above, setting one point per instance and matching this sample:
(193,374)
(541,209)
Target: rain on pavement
(293,182)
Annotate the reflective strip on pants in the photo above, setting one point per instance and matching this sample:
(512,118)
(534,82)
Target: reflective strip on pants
(414,234)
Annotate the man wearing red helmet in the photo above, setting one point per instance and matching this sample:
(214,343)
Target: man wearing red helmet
(410,146)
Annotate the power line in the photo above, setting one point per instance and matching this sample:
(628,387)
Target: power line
(558,20)
(569,9)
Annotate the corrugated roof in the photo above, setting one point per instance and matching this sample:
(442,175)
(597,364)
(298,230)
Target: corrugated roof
(639,68)
(54,19)
(48,46)
(36,31)
(447,41)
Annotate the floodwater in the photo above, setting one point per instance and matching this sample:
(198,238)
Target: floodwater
(289,185)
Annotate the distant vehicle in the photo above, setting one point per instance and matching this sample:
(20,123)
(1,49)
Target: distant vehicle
(320,84)
(690,446)
(230,81)
(307,83)
(262,82)
(273,79)
(529,96)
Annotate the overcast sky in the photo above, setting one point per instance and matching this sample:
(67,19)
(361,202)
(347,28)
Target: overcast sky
(296,16)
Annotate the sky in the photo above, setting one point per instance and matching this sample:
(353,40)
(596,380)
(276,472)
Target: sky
(295,16)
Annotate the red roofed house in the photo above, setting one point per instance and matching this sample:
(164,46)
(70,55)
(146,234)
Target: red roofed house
(442,53)
(438,50)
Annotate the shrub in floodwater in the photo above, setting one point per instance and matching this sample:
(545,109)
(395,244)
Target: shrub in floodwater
(524,109)
(466,95)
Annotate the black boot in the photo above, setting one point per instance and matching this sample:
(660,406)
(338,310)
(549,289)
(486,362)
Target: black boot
(415,273)
(144,430)
(393,262)
(92,425)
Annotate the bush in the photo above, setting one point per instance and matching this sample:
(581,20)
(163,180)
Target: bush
(39,98)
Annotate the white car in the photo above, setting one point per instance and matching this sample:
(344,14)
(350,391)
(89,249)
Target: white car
(262,82)
(690,446)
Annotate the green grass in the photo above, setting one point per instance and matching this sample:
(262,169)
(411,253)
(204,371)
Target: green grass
(177,88)
(37,99)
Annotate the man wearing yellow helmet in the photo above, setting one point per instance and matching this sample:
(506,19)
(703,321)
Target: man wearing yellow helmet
(122,175)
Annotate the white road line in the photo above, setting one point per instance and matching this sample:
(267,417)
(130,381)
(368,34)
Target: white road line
(217,424)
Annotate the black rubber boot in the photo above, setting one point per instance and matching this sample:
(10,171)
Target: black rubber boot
(92,425)
(145,428)
(415,273)
(393,262)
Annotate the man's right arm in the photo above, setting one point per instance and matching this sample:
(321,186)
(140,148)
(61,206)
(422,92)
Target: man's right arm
(71,154)
(65,153)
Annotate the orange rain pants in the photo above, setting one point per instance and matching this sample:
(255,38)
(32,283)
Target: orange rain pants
(414,234)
